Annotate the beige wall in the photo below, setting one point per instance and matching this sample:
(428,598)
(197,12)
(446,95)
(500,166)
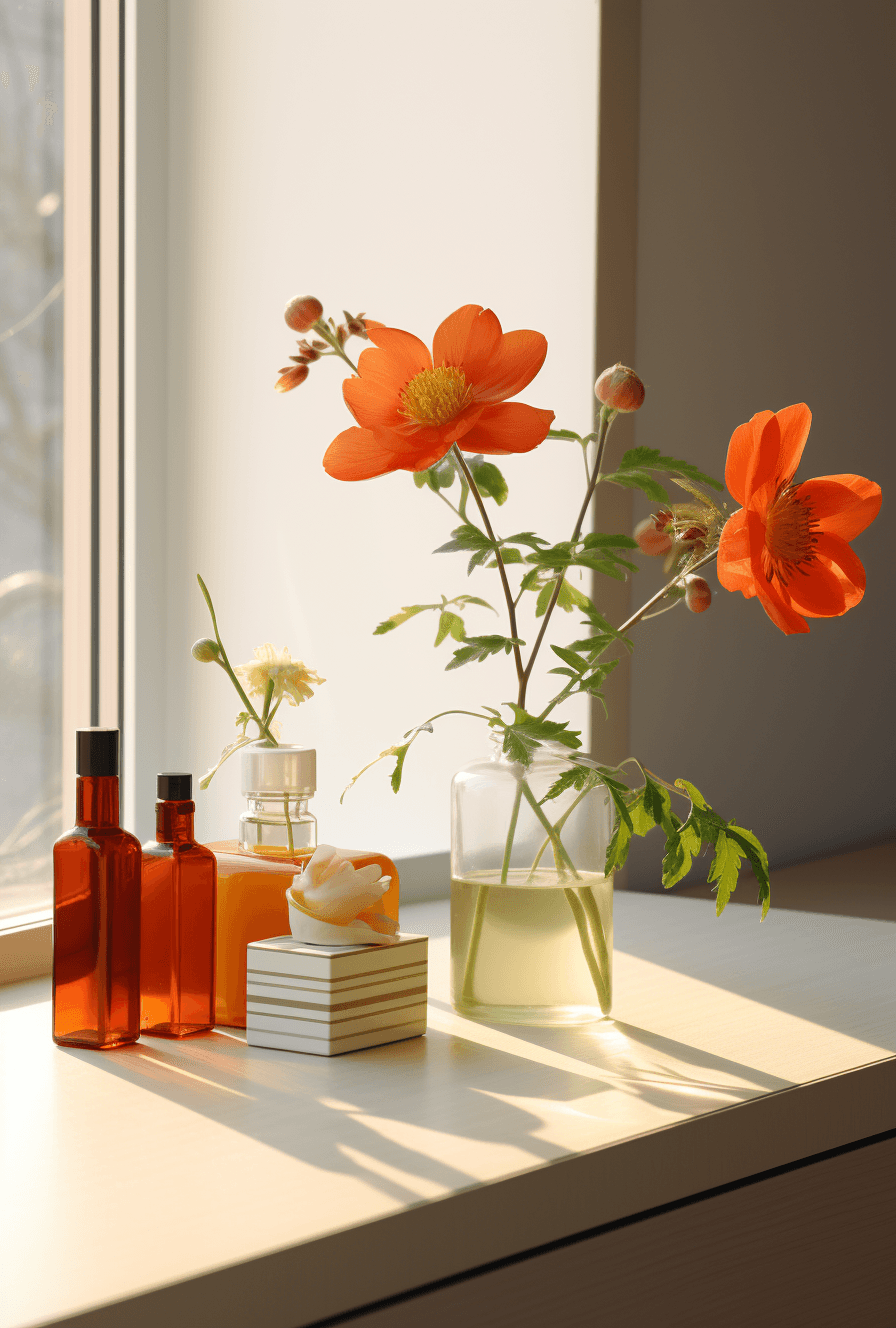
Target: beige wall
(765,277)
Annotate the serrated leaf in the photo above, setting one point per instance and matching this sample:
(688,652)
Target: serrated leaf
(650,458)
(564,433)
(527,537)
(464,538)
(530,580)
(639,479)
(509,556)
(757,858)
(473,599)
(693,793)
(568,599)
(439,476)
(577,777)
(609,542)
(478,648)
(682,843)
(657,802)
(725,869)
(489,480)
(617,851)
(449,624)
(528,731)
(398,619)
(571,658)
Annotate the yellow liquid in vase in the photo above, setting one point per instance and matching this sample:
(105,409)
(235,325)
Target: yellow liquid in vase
(252,907)
(520,950)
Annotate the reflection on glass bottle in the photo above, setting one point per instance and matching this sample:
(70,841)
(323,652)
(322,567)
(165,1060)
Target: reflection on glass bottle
(96,909)
(177,946)
(280,833)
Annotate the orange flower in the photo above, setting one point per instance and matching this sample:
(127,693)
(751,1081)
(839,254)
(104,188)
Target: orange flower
(789,543)
(411,407)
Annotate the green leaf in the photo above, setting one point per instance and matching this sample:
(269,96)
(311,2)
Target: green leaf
(465,538)
(693,793)
(657,802)
(639,479)
(439,476)
(489,480)
(725,869)
(609,542)
(526,537)
(530,580)
(472,599)
(527,731)
(478,648)
(617,851)
(556,556)
(577,777)
(682,843)
(757,858)
(409,611)
(570,657)
(449,623)
(564,433)
(508,556)
(399,753)
(649,458)
(568,599)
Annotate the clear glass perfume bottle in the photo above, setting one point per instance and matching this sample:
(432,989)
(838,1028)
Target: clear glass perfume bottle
(96,909)
(277,836)
(177,947)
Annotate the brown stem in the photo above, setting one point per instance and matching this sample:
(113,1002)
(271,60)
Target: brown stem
(655,599)
(511,608)
(606,419)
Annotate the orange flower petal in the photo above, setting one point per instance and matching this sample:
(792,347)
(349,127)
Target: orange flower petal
(744,442)
(508,427)
(733,564)
(781,612)
(373,403)
(836,555)
(450,341)
(516,361)
(818,591)
(361,454)
(842,504)
(406,353)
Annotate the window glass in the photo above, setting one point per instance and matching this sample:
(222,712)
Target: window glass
(31,165)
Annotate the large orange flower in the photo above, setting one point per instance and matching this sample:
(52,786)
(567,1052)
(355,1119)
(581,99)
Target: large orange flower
(412,406)
(788,545)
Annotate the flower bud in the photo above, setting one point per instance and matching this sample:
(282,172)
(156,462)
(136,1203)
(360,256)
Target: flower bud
(663,518)
(650,539)
(697,594)
(291,378)
(307,354)
(693,533)
(356,327)
(342,334)
(620,389)
(206,650)
(303,312)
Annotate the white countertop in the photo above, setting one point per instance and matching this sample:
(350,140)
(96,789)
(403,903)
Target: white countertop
(208,1182)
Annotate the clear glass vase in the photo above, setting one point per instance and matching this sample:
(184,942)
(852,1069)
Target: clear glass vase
(531,908)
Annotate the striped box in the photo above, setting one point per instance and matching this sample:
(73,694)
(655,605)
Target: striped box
(327,999)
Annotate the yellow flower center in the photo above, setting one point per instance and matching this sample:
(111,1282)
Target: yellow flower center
(436,396)
(789,535)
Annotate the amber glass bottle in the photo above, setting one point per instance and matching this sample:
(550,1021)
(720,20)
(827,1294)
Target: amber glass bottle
(177,930)
(279,832)
(96,910)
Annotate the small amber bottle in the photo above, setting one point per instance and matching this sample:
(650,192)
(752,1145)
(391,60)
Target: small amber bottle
(177,949)
(96,910)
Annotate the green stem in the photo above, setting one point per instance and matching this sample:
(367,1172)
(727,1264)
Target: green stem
(508,847)
(559,824)
(224,662)
(565,864)
(606,419)
(502,571)
(466,989)
(600,939)
(290,845)
(655,599)
(268,697)
(581,921)
(321,328)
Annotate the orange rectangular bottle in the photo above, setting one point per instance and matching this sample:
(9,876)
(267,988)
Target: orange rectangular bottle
(277,836)
(96,910)
(177,946)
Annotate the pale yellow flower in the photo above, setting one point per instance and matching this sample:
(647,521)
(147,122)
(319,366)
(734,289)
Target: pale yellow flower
(291,677)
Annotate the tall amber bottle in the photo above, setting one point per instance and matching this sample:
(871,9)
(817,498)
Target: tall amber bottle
(177,929)
(96,910)
(277,836)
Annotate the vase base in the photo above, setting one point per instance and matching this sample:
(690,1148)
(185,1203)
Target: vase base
(536,1016)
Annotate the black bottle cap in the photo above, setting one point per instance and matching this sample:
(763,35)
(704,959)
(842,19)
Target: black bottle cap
(174,787)
(96,752)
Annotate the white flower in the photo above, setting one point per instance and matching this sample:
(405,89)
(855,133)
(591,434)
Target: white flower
(290,676)
(332,891)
